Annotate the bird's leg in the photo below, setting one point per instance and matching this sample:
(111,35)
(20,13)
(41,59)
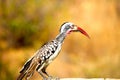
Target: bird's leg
(49,77)
(44,71)
(41,73)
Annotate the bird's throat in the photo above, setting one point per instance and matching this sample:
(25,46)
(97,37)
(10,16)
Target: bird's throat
(61,37)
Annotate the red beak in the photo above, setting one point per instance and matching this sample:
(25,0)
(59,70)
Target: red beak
(83,32)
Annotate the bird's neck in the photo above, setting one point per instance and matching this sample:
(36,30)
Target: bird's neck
(60,38)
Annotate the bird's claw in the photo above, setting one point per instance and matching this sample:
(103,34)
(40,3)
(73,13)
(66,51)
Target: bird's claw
(51,78)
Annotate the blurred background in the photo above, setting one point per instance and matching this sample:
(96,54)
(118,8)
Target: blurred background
(27,24)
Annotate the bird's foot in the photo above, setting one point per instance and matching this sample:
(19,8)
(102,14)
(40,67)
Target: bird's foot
(52,78)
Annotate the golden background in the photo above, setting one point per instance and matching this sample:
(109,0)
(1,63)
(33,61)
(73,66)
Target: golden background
(27,24)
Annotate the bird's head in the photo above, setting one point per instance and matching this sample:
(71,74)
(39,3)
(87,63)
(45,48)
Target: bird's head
(69,27)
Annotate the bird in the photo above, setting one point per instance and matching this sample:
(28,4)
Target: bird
(48,52)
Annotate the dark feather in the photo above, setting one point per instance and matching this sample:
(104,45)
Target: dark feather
(26,66)
(24,69)
(20,77)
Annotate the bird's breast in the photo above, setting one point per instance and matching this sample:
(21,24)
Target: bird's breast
(56,52)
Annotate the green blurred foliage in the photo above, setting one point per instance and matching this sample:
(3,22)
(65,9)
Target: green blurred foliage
(22,24)
(26,25)
(23,21)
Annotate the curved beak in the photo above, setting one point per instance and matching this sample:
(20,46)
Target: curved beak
(76,29)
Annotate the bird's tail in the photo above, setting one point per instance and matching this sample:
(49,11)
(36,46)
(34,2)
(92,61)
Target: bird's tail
(27,70)
(21,76)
